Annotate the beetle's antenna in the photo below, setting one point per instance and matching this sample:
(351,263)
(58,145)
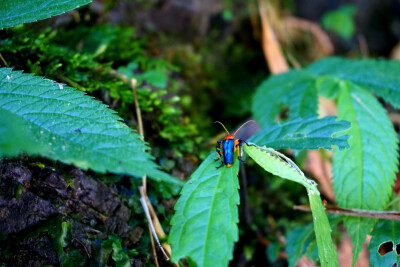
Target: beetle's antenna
(222,126)
(243,125)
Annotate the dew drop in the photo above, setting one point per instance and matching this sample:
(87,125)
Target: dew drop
(60,86)
(50,144)
(8,78)
(41,132)
(54,138)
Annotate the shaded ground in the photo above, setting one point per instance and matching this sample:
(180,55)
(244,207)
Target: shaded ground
(36,200)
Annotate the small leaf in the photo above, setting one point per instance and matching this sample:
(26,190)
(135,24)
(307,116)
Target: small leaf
(204,227)
(300,241)
(340,21)
(297,242)
(365,173)
(278,164)
(16,12)
(385,232)
(154,77)
(273,250)
(310,133)
(61,123)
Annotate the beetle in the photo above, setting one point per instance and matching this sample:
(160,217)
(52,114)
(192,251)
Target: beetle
(226,148)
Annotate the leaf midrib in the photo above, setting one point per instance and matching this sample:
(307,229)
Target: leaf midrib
(209,216)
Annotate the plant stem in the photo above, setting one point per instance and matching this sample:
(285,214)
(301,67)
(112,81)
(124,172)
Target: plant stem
(4,61)
(387,215)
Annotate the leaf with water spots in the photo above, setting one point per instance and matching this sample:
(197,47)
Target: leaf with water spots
(39,116)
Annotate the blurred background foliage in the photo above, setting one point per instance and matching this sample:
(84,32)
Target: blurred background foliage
(195,62)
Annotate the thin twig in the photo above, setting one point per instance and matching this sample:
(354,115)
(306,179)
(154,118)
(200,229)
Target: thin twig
(387,215)
(153,221)
(144,200)
(153,247)
(138,113)
(83,245)
(247,213)
(140,125)
(362,42)
(4,61)
(147,213)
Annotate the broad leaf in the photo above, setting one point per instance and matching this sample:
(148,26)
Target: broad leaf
(387,234)
(297,89)
(294,89)
(16,12)
(310,133)
(278,164)
(365,173)
(379,76)
(204,227)
(42,117)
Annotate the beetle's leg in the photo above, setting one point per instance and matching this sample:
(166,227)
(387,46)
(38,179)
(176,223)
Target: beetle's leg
(222,164)
(219,156)
(241,141)
(218,149)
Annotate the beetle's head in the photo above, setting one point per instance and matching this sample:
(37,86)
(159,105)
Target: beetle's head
(229,136)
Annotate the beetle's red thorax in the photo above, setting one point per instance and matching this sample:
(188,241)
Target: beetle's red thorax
(229,136)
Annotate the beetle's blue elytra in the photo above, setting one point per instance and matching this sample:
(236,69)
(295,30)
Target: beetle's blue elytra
(226,148)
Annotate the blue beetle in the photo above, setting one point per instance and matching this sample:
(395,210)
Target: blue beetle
(226,148)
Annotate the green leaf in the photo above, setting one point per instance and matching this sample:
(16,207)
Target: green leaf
(294,89)
(119,255)
(278,164)
(371,164)
(384,231)
(273,250)
(288,89)
(16,12)
(377,75)
(154,77)
(300,241)
(310,133)
(340,21)
(204,227)
(365,173)
(39,116)
(297,242)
